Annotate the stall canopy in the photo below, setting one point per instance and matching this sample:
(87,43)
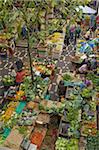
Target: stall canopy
(86,10)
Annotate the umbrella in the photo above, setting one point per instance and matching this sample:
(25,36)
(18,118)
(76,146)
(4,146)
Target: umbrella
(89,45)
(86,48)
(93,42)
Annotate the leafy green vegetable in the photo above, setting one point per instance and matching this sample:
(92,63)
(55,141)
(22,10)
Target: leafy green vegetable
(92,142)
(67,77)
(86,93)
(8,80)
(94,78)
(22,130)
(64,144)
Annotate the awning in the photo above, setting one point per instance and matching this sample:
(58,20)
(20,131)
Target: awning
(86,10)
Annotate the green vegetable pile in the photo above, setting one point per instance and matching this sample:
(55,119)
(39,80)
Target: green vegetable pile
(26,118)
(37,89)
(73,116)
(8,80)
(65,144)
(86,93)
(95,80)
(67,77)
(93,142)
(53,109)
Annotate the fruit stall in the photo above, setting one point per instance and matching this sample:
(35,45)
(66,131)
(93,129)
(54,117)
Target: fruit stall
(55,43)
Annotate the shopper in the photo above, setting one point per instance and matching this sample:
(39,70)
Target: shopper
(83,69)
(20,77)
(67,36)
(87,35)
(72,32)
(93,62)
(11,48)
(24,32)
(19,64)
(78,31)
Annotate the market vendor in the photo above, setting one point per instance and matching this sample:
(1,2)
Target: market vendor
(93,62)
(61,89)
(87,35)
(83,69)
(20,76)
(78,30)
(11,47)
(52,75)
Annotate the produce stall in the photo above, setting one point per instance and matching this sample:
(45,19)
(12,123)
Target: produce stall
(42,68)
(79,121)
(55,44)
(38,136)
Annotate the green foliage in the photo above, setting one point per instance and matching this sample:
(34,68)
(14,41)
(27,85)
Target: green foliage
(53,109)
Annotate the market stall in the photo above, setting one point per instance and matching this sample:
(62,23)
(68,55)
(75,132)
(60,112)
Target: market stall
(55,44)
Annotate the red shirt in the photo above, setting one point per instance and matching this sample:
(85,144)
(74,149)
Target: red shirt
(97,20)
(20,76)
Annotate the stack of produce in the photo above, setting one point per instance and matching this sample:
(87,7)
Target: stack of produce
(52,107)
(43,69)
(38,89)
(55,37)
(9,111)
(26,118)
(8,80)
(66,144)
